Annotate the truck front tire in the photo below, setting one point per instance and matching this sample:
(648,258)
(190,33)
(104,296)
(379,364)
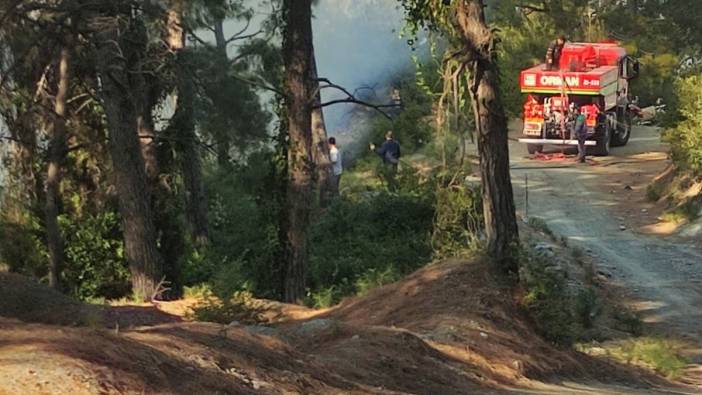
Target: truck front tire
(603,143)
(621,137)
(534,148)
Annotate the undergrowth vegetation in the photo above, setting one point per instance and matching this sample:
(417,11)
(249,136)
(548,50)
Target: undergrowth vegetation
(662,355)
(685,137)
(548,299)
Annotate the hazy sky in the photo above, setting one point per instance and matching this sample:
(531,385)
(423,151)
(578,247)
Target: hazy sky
(357,43)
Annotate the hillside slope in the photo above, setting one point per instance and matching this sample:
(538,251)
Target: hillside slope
(449,328)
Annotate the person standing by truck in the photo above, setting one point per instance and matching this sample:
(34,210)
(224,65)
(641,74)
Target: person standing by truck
(580,133)
(553,54)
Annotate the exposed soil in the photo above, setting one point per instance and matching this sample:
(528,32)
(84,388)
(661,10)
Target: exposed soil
(450,328)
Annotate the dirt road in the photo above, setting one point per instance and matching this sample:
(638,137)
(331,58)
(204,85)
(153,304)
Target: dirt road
(598,207)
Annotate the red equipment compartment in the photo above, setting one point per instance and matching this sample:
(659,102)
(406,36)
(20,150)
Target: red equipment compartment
(599,81)
(585,69)
(587,56)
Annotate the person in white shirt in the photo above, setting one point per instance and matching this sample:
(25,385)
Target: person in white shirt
(335,156)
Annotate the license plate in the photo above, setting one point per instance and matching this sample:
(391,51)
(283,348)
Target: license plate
(532,129)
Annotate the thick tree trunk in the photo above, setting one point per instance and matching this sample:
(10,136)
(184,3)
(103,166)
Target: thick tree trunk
(57,153)
(491,129)
(220,39)
(147,140)
(128,164)
(195,198)
(320,144)
(297,52)
(223,141)
(184,126)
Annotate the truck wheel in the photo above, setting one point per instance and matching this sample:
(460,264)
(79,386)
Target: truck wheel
(534,148)
(621,137)
(603,143)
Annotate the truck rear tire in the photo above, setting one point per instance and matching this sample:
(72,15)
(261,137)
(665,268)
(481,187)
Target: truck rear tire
(603,143)
(534,148)
(623,133)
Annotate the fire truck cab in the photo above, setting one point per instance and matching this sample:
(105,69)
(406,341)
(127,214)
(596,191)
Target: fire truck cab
(593,77)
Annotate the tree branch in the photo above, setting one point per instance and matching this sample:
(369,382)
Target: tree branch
(351,99)
(239,35)
(258,84)
(529,8)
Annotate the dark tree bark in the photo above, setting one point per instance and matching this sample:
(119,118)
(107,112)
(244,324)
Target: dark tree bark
(297,53)
(148,138)
(491,130)
(222,140)
(120,105)
(320,144)
(184,127)
(56,156)
(220,39)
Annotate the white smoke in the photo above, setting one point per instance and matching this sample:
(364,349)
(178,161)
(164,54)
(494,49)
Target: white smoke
(357,44)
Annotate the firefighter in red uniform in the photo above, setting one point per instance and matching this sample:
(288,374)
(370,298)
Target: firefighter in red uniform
(553,54)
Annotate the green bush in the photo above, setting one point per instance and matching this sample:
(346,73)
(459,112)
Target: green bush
(548,300)
(22,248)
(587,307)
(541,225)
(367,236)
(661,355)
(240,306)
(243,233)
(686,137)
(458,221)
(326,297)
(628,321)
(375,278)
(95,266)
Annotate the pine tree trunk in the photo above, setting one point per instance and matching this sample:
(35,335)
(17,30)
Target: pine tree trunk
(491,130)
(147,140)
(297,53)
(320,143)
(184,125)
(220,39)
(195,198)
(119,102)
(57,153)
(222,141)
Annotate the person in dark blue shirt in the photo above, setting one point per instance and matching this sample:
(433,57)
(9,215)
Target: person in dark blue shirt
(389,151)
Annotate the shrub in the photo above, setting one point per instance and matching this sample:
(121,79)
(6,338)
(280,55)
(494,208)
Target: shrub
(686,137)
(458,221)
(241,307)
(375,278)
(22,248)
(661,355)
(363,235)
(541,225)
(628,321)
(95,266)
(243,234)
(548,300)
(325,297)
(586,307)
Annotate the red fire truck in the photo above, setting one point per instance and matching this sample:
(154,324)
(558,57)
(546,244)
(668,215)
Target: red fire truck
(593,77)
